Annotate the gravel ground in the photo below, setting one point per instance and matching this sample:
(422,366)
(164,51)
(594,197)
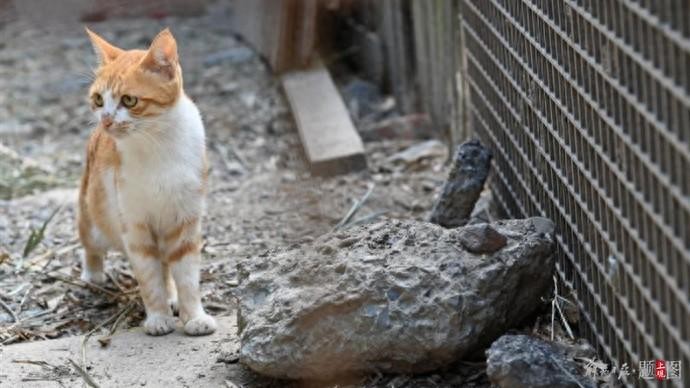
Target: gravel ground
(261,194)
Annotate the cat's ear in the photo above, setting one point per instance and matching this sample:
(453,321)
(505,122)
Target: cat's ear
(105,51)
(161,57)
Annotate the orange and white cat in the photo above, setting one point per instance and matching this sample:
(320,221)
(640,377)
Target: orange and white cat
(144,186)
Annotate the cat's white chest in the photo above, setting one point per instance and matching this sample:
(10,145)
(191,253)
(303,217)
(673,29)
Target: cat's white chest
(162,181)
(164,194)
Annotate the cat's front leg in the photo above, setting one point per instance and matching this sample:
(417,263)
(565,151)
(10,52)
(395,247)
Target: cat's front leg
(144,256)
(183,255)
(171,288)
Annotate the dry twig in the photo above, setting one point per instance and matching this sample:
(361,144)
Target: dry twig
(555,307)
(105,340)
(356,206)
(84,374)
(81,283)
(49,255)
(51,372)
(112,318)
(9,310)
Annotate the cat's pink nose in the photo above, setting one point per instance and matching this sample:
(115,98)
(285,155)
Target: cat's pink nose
(106,120)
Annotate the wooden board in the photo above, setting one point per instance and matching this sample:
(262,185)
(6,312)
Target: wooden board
(396,33)
(284,32)
(331,142)
(437,51)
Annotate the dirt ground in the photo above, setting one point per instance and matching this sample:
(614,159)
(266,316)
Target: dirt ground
(261,194)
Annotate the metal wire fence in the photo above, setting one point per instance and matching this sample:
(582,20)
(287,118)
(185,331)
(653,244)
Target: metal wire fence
(586,105)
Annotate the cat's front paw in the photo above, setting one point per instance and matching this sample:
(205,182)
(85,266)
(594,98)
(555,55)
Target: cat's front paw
(203,324)
(159,324)
(95,277)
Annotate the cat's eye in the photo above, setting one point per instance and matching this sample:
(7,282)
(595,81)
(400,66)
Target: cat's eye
(128,101)
(97,100)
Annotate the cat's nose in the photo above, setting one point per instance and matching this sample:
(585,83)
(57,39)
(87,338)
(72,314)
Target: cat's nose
(106,120)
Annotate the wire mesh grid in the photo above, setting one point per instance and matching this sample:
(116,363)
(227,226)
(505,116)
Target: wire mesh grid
(586,105)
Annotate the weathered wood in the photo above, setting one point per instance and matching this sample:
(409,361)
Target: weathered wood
(284,32)
(437,60)
(330,140)
(421,50)
(397,34)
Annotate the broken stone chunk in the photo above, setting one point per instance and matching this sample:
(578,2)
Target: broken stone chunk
(394,296)
(482,238)
(464,185)
(521,361)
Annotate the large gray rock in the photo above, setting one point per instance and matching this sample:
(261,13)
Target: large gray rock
(521,361)
(395,296)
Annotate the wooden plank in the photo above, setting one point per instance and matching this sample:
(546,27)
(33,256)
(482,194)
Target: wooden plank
(396,34)
(422,53)
(331,142)
(435,35)
(284,32)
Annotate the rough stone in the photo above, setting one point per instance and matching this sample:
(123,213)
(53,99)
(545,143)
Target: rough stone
(395,296)
(517,361)
(482,238)
(464,185)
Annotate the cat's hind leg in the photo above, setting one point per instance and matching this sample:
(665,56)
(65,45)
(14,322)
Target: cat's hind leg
(95,250)
(92,266)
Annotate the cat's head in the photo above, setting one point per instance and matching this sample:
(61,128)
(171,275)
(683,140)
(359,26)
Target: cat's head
(134,87)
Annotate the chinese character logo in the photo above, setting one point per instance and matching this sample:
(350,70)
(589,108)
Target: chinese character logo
(660,370)
(646,370)
(596,368)
(624,372)
(673,369)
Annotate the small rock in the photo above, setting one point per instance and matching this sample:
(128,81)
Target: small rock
(482,238)
(228,357)
(464,185)
(517,361)
(400,297)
